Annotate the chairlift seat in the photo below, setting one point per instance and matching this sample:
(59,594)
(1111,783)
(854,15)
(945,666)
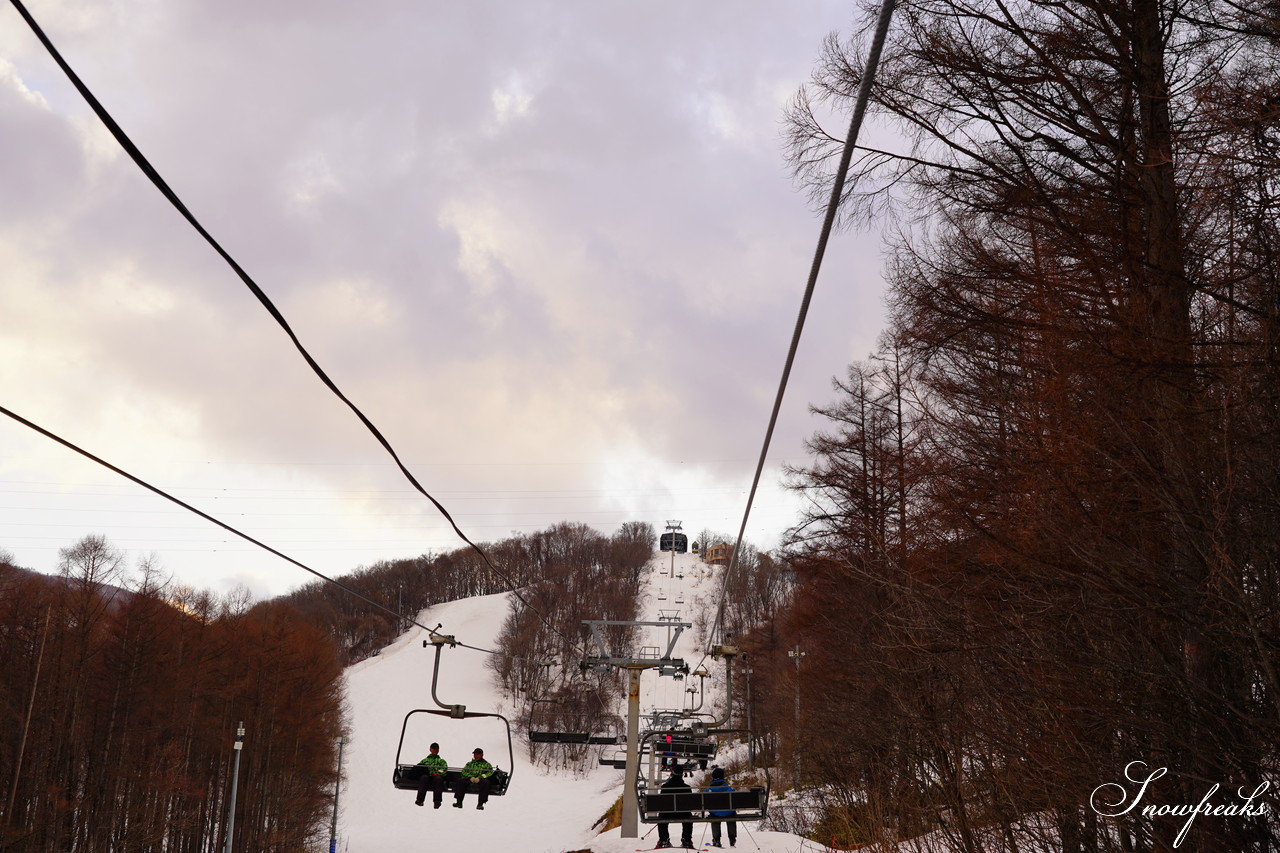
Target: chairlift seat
(615,758)
(687,748)
(749,804)
(571,737)
(570,727)
(406,778)
(604,740)
(559,737)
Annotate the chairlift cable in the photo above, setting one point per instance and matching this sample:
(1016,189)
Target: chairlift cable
(141,161)
(206,516)
(828,224)
(230,529)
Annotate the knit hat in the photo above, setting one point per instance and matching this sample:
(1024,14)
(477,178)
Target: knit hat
(717,773)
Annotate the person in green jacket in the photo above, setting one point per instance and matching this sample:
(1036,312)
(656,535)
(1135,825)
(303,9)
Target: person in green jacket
(476,770)
(433,777)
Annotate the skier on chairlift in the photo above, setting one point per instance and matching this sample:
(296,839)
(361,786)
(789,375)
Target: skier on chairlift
(476,771)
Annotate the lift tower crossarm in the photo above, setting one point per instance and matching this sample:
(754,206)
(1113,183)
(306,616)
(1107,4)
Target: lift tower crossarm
(607,659)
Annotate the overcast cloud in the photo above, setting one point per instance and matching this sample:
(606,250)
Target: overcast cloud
(551,248)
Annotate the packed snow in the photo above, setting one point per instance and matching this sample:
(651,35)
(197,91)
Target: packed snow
(541,812)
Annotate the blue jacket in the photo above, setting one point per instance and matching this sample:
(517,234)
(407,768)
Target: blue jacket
(720,787)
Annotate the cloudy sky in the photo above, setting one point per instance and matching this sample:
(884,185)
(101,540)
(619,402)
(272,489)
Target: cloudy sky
(550,247)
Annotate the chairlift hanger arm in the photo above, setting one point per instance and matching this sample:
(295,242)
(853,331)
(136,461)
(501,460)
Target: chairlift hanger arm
(439,641)
(728,653)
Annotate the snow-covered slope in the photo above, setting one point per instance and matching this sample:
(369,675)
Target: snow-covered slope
(542,812)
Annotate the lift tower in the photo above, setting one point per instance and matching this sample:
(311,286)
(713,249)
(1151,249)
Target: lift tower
(652,657)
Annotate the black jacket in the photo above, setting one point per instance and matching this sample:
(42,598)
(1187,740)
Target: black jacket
(675,785)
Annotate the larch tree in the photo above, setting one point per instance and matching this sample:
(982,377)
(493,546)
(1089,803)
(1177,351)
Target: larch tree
(1084,304)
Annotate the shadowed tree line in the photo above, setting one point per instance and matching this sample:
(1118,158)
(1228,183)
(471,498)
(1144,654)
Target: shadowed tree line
(535,563)
(1042,541)
(406,587)
(121,697)
(751,603)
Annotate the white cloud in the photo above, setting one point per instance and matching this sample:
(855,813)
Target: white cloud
(512,100)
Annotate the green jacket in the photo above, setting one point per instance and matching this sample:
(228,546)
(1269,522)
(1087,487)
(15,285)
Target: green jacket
(436,765)
(477,768)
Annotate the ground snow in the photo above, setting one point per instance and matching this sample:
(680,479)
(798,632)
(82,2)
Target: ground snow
(542,812)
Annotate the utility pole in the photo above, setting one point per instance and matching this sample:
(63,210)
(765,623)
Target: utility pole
(797,654)
(751,738)
(26,723)
(337,784)
(235,781)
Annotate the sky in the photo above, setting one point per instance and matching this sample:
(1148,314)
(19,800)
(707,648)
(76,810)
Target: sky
(541,812)
(552,249)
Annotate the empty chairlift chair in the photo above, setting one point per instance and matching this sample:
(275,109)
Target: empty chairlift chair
(548,723)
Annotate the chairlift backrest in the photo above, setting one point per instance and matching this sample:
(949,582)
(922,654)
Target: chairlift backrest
(659,807)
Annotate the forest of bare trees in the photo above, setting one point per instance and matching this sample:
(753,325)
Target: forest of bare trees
(121,695)
(1045,515)
(574,574)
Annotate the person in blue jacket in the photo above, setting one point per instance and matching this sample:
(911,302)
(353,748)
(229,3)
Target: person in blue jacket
(719,785)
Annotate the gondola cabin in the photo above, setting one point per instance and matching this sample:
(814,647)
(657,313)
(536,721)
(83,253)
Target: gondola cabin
(677,542)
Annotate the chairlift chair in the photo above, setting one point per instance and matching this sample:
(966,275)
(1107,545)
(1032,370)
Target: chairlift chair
(615,758)
(568,728)
(751,804)
(405,777)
